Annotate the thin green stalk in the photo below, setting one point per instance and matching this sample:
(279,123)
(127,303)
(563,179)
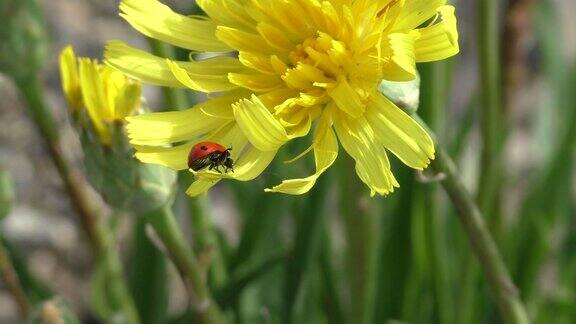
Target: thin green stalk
(11,280)
(168,230)
(362,234)
(118,286)
(434,86)
(491,114)
(32,92)
(483,245)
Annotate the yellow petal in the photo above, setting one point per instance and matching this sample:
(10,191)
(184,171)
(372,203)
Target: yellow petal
(243,41)
(208,75)
(201,186)
(258,62)
(156,20)
(416,12)
(347,99)
(400,133)
(251,164)
(112,83)
(256,82)
(440,40)
(372,165)
(228,13)
(325,153)
(175,126)
(259,125)
(127,101)
(399,51)
(93,96)
(275,37)
(175,158)
(70,78)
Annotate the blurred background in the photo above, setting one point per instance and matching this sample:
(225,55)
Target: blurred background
(422,269)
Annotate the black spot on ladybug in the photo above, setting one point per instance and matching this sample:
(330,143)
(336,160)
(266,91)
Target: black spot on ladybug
(203,148)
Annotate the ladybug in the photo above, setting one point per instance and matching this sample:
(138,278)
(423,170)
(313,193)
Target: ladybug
(211,155)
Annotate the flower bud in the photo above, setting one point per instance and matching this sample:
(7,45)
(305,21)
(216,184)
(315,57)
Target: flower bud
(100,98)
(405,94)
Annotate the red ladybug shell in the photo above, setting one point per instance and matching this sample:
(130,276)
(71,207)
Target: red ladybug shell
(202,151)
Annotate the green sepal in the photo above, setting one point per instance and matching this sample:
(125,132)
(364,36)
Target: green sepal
(123,182)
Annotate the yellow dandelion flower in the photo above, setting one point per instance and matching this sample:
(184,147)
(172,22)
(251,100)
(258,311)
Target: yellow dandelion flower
(106,94)
(301,66)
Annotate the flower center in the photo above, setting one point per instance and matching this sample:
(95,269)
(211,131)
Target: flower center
(317,62)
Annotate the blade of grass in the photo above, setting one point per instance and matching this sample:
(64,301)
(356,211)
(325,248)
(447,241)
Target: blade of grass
(395,263)
(547,204)
(361,223)
(148,277)
(228,295)
(331,294)
(306,247)
(549,201)
(433,97)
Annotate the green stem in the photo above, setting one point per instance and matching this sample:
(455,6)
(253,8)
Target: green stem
(206,239)
(32,92)
(362,231)
(11,280)
(491,107)
(168,230)
(119,290)
(481,242)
